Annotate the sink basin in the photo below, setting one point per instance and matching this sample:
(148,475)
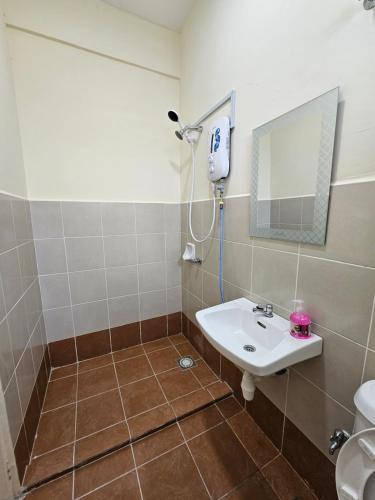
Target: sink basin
(259,345)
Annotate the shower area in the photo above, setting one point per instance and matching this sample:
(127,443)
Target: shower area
(109,388)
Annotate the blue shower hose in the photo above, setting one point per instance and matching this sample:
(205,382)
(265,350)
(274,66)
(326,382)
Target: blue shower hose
(221,251)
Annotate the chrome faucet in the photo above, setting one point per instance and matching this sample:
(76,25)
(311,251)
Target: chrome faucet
(265,309)
(337,439)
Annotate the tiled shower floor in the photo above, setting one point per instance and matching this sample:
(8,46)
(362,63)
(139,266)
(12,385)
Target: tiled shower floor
(218,452)
(99,405)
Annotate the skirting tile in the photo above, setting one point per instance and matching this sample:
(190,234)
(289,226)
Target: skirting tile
(125,336)
(154,328)
(93,344)
(62,352)
(309,462)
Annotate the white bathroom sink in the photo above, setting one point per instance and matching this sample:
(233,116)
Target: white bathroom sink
(232,325)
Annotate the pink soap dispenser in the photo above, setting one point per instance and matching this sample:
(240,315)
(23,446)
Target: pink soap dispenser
(300,321)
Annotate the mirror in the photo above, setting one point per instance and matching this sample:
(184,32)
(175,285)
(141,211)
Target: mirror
(291,172)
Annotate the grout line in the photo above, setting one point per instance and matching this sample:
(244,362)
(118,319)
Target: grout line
(297,271)
(105,278)
(195,463)
(285,411)
(106,483)
(368,340)
(138,285)
(75,433)
(323,392)
(67,272)
(127,425)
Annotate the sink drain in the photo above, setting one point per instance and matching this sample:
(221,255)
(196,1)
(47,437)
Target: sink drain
(249,348)
(186,362)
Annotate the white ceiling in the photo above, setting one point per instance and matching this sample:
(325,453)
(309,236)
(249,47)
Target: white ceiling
(168,13)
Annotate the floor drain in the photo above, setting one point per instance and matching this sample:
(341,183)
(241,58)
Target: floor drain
(249,348)
(186,362)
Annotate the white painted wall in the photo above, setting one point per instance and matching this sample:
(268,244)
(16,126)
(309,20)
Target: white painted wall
(12,176)
(98,26)
(94,128)
(278,55)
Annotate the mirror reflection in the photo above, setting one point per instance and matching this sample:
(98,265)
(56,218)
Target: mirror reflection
(291,170)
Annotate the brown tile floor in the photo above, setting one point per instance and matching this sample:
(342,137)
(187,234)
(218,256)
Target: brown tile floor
(103,403)
(216,453)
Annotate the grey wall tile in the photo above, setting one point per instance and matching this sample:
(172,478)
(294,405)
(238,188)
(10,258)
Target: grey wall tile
(33,305)
(372,331)
(59,324)
(28,266)
(191,305)
(173,273)
(81,219)
(275,388)
(211,256)
(46,219)
(207,210)
(352,287)
(25,378)
(151,248)
(37,344)
(192,276)
(149,217)
(232,292)
(152,277)
(2,301)
(351,228)
(314,413)
(174,300)
(7,229)
(54,289)
(11,277)
(184,217)
(87,286)
(84,253)
(6,354)
(153,304)
(123,310)
(21,220)
(50,256)
(369,373)
(13,406)
(196,219)
(19,334)
(91,317)
(173,246)
(122,281)
(118,218)
(211,292)
(274,275)
(237,219)
(237,259)
(338,370)
(120,250)
(172,217)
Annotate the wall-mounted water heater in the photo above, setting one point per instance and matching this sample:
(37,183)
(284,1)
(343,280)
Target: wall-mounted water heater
(219,149)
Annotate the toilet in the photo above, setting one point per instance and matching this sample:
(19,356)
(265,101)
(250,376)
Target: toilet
(355,468)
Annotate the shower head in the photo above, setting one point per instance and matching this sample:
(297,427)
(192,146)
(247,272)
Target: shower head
(191,133)
(368,4)
(173,116)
